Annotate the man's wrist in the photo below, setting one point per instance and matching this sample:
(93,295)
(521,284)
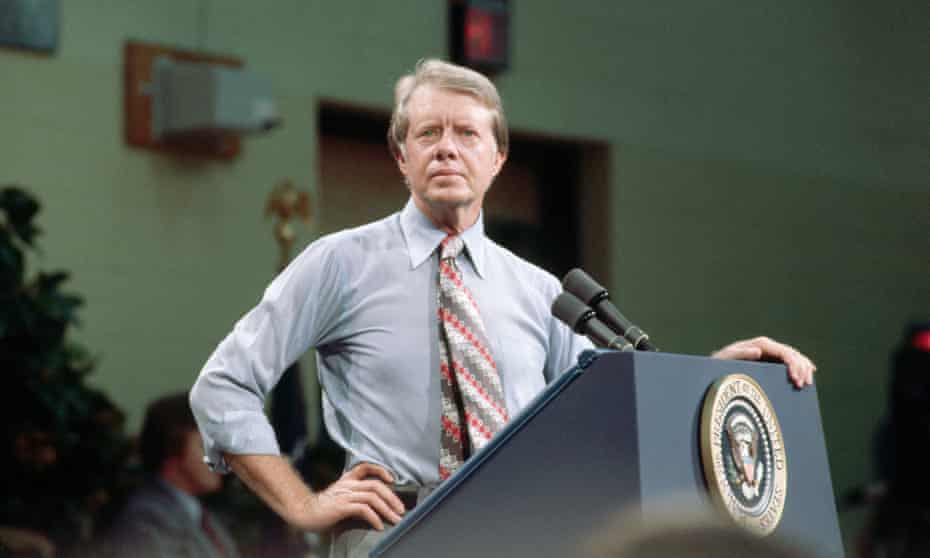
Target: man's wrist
(301,514)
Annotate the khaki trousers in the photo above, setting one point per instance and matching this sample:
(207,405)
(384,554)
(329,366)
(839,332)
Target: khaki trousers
(354,538)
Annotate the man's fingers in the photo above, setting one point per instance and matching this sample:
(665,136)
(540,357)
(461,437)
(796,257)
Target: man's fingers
(365,470)
(363,511)
(366,500)
(363,491)
(375,502)
(800,368)
(384,493)
(362,475)
(795,364)
(809,369)
(804,374)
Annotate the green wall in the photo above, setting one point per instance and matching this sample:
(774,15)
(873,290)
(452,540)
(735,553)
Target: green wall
(768,170)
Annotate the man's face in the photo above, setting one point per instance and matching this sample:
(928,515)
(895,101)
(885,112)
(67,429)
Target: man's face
(450,154)
(198,476)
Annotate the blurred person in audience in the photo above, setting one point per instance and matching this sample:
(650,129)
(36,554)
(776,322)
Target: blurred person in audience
(684,534)
(19,542)
(900,525)
(165,517)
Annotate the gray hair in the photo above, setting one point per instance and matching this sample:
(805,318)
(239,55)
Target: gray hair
(453,78)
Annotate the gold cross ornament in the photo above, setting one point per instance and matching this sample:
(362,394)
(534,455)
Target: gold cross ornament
(286,203)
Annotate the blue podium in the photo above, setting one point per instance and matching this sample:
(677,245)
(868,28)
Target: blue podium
(621,430)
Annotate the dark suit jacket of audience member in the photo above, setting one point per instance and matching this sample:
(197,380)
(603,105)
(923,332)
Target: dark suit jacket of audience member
(155,524)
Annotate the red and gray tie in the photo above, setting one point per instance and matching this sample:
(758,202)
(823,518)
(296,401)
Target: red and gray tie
(473,407)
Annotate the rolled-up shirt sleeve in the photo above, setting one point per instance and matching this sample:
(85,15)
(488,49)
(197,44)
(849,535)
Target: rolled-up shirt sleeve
(228,398)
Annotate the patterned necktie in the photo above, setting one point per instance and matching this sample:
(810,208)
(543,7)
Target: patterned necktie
(473,407)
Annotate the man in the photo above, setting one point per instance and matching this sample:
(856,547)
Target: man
(405,328)
(164,517)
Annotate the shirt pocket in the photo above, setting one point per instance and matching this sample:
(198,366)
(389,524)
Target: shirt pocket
(521,362)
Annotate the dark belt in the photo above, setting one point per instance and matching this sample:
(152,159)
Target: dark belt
(408,498)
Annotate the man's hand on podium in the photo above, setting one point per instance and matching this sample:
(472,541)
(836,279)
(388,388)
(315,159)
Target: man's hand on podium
(800,368)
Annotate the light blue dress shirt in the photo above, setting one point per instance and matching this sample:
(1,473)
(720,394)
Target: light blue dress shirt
(366,299)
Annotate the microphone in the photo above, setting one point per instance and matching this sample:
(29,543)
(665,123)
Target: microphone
(576,315)
(591,293)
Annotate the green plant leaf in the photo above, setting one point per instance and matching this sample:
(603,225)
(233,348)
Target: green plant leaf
(71,438)
(20,208)
(11,263)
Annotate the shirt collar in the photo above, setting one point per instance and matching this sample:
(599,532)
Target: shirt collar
(423,237)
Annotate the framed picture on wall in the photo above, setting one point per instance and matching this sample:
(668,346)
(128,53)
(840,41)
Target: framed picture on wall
(29,24)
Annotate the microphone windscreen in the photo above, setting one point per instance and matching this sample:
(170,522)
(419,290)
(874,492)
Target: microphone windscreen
(582,285)
(568,308)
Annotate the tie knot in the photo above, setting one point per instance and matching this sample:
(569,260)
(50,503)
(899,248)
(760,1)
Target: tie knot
(452,246)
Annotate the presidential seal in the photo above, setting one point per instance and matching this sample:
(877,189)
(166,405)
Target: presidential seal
(743,454)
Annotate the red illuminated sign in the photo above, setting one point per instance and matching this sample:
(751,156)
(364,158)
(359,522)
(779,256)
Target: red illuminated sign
(921,340)
(478,34)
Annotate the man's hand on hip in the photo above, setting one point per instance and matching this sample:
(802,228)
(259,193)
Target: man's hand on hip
(364,492)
